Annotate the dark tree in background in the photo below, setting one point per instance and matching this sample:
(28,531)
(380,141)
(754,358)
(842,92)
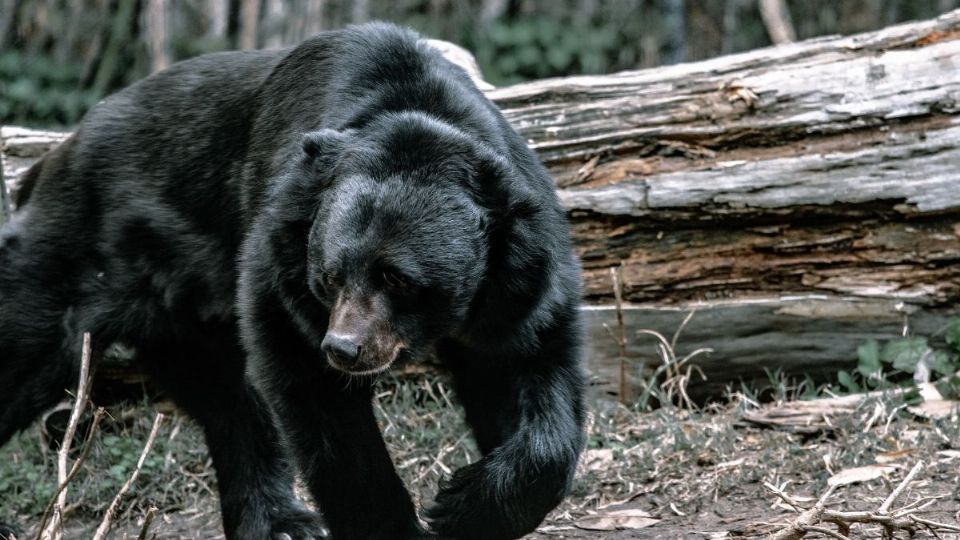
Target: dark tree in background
(58,57)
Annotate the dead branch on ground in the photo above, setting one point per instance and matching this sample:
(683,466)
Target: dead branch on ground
(147,521)
(904,518)
(105,524)
(54,529)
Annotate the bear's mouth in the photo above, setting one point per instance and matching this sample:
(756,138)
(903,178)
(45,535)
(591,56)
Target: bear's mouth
(372,363)
(356,371)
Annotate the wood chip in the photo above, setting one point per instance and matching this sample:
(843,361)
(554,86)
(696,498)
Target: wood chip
(859,474)
(617,520)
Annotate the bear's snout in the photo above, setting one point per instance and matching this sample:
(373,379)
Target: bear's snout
(360,339)
(342,350)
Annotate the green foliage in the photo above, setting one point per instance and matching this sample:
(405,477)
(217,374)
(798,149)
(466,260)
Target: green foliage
(895,362)
(868,359)
(848,381)
(516,50)
(26,484)
(781,387)
(123,453)
(904,354)
(36,90)
(28,474)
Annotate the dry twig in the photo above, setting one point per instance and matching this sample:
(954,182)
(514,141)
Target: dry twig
(104,527)
(902,519)
(87,444)
(147,521)
(616,274)
(807,518)
(54,529)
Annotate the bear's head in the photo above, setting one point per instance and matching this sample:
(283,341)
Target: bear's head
(399,244)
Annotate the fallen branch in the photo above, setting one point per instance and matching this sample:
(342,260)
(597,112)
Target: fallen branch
(885,507)
(105,524)
(902,519)
(807,518)
(810,416)
(147,521)
(54,530)
(87,444)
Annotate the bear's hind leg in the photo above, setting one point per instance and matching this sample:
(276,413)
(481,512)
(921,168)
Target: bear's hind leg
(40,342)
(40,339)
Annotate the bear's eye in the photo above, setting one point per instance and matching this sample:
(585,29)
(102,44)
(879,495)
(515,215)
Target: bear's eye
(328,280)
(395,280)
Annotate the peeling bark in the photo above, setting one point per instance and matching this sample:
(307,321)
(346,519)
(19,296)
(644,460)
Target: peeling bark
(827,166)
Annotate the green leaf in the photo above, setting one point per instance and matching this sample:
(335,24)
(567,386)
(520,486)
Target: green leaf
(949,387)
(904,353)
(848,382)
(953,332)
(912,396)
(118,471)
(943,363)
(558,57)
(868,355)
(529,55)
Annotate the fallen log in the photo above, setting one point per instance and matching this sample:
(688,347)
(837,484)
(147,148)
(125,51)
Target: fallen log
(802,198)
(818,415)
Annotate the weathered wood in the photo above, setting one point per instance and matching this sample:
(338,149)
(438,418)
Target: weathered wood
(827,166)
(820,414)
(22,147)
(808,335)
(5,207)
(802,197)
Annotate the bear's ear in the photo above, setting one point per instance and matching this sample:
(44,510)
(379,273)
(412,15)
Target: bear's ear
(497,185)
(321,148)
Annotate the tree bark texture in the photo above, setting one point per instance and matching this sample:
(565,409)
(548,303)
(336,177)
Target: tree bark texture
(827,166)
(802,198)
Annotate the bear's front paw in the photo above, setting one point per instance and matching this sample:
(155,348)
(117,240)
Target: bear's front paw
(498,497)
(471,505)
(9,532)
(289,521)
(298,524)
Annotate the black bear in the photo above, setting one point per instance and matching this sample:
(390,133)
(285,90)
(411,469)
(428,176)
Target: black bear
(272,229)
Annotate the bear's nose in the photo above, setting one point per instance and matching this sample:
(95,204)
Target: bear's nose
(343,348)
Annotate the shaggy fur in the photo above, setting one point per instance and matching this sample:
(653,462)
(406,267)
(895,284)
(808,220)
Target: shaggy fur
(269,230)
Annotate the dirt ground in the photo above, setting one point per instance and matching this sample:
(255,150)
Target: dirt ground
(670,473)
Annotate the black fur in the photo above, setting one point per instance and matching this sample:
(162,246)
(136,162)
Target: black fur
(269,228)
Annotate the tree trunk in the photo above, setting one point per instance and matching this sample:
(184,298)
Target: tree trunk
(275,20)
(314,17)
(217,13)
(156,28)
(8,22)
(776,18)
(121,28)
(249,23)
(5,206)
(801,198)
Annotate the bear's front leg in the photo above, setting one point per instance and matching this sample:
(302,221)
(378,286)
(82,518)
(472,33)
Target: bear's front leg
(527,416)
(329,425)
